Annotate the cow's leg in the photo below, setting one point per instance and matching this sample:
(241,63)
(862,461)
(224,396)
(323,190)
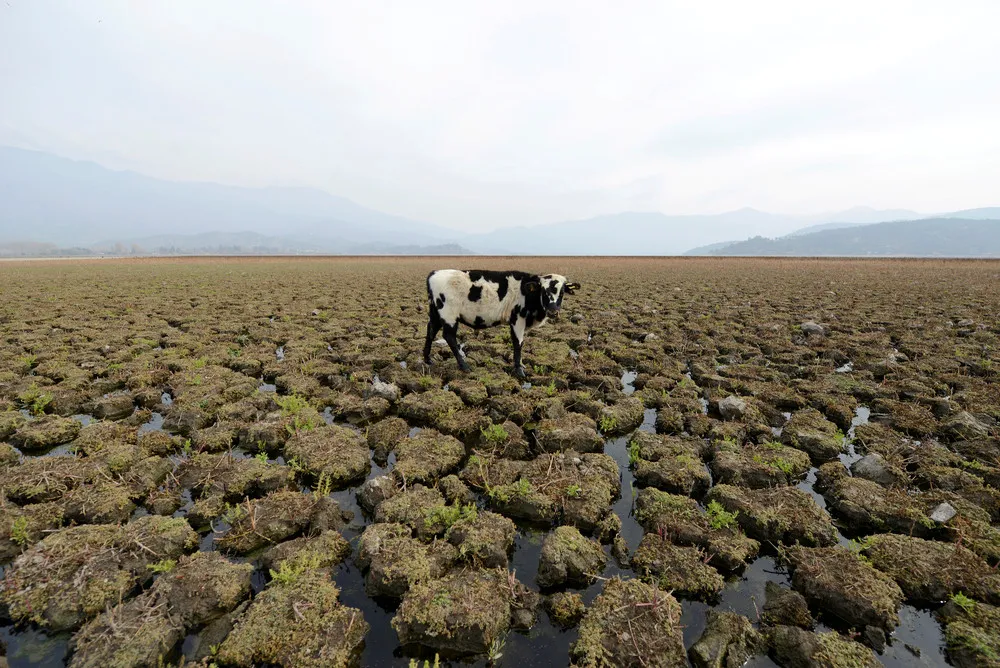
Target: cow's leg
(517,340)
(433,327)
(451,336)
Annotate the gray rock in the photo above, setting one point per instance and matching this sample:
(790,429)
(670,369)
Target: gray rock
(965,323)
(388,391)
(966,427)
(375,491)
(732,408)
(943,513)
(649,337)
(811,328)
(874,467)
(576,318)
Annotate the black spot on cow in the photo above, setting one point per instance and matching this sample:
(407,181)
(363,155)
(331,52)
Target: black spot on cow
(479,323)
(475,293)
(502,288)
(514,313)
(440,301)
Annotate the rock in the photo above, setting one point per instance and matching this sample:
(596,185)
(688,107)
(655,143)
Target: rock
(839,582)
(375,491)
(464,612)
(484,540)
(729,641)
(674,568)
(685,523)
(631,623)
(785,607)
(576,318)
(569,558)
(732,408)
(793,647)
(943,513)
(573,432)
(565,608)
(874,637)
(427,456)
(387,391)
(338,453)
(874,467)
(74,574)
(929,571)
(394,561)
(650,336)
(296,623)
(810,328)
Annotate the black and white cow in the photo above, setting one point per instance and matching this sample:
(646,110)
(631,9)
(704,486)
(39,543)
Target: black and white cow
(482,299)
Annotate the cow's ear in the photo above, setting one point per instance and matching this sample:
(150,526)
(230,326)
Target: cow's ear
(572,287)
(531,287)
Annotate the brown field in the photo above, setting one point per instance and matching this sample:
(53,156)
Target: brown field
(244,461)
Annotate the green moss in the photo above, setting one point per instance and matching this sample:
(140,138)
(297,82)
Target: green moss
(718,517)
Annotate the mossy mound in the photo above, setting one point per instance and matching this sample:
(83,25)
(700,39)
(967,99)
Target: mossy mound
(300,622)
(339,454)
(104,502)
(569,558)
(383,436)
(869,507)
(463,613)
(9,456)
(45,433)
(21,527)
(785,607)
(970,633)
(423,510)
(931,571)
(570,432)
(266,521)
(680,520)
(142,632)
(793,647)
(429,407)
(114,406)
(810,431)
(565,608)
(573,489)
(840,583)
(631,624)
(394,561)
(327,549)
(778,515)
(427,456)
(75,573)
(46,478)
(622,417)
(231,478)
(484,540)
(669,463)
(682,570)
(729,639)
(758,466)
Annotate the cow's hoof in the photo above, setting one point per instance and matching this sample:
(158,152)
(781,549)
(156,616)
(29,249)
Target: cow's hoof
(519,372)
(463,367)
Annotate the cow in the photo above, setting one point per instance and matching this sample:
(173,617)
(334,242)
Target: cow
(481,299)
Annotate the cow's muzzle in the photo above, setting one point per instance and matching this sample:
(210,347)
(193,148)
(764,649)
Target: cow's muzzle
(553,311)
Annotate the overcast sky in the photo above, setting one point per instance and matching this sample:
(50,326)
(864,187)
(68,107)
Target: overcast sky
(477,115)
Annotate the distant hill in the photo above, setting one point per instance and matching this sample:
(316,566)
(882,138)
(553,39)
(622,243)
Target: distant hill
(933,237)
(46,198)
(821,227)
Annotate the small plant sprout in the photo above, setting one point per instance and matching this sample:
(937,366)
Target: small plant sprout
(261,457)
(719,517)
(494,434)
(964,602)
(573,491)
(19,531)
(164,566)
(324,485)
(608,423)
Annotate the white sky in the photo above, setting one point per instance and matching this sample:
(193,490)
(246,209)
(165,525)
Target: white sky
(481,114)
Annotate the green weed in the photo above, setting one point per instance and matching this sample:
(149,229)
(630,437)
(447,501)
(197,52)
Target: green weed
(719,517)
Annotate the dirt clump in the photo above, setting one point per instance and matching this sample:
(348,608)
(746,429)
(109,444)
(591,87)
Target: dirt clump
(565,608)
(484,540)
(569,558)
(757,466)
(325,550)
(428,455)
(793,647)
(297,621)
(45,433)
(338,453)
(571,432)
(970,633)
(810,431)
(75,573)
(383,436)
(674,568)
(778,515)
(21,527)
(265,521)
(785,607)
(631,624)
(394,561)
(680,520)
(669,463)
(729,639)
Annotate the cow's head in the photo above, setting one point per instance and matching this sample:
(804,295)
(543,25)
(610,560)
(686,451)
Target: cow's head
(553,287)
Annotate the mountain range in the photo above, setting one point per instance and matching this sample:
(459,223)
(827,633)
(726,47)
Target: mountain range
(52,205)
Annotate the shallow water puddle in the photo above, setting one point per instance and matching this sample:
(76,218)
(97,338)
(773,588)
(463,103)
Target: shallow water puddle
(32,648)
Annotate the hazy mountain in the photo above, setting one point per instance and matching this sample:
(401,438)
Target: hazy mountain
(933,237)
(710,249)
(863,215)
(986,213)
(823,226)
(52,199)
